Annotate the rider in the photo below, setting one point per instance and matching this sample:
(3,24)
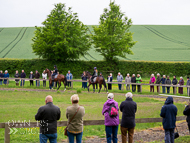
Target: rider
(95,74)
(56,70)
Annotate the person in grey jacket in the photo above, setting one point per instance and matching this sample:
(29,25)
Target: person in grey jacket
(188,84)
(119,79)
(158,80)
(168,81)
(127,80)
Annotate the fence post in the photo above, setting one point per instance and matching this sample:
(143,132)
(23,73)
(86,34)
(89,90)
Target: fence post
(158,89)
(141,88)
(174,90)
(122,87)
(71,84)
(37,82)
(7,133)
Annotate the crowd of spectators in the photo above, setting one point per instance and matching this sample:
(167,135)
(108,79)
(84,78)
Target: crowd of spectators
(49,114)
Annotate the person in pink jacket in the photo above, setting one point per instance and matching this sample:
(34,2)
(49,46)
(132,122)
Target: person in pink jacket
(152,80)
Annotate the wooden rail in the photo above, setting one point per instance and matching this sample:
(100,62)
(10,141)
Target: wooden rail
(122,83)
(8,126)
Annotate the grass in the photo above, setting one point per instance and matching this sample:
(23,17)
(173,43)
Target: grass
(181,139)
(23,105)
(155,43)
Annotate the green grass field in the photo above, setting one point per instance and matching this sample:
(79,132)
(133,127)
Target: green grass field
(155,43)
(23,105)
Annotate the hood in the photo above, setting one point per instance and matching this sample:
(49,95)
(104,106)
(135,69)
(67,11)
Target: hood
(169,100)
(110,101)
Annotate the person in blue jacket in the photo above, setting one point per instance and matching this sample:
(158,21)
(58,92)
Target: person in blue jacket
(169,113)
(84,78)
(69,76)
(6,75)
(1,76)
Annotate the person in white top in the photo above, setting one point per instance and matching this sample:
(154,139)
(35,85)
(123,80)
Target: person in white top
(44,76)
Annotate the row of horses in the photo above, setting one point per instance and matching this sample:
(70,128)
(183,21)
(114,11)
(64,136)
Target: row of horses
(61,78)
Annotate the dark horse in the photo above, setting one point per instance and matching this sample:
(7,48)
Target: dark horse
(99,80)
(60,78)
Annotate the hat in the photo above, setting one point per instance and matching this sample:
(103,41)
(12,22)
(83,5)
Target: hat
(100,73)
(95,68)
(187,77)
(110,96)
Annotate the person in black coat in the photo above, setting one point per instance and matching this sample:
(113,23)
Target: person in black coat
(31,76)
(1,76)
(187,113)
(133,80)
(128,109)
(17,76)
(22,75)
(109,79)
(84,78)
(174,82)
(169,113)
(48,116)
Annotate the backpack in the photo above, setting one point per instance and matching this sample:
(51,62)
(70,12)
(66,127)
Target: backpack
(113,111)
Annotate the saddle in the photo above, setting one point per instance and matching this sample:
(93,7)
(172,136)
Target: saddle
(53,77)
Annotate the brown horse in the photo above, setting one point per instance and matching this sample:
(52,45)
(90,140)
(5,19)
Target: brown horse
(60,78)
(99,80)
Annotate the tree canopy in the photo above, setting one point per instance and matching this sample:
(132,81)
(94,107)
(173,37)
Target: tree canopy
(112,38)
(62,36)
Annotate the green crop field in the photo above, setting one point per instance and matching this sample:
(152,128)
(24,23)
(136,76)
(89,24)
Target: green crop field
(154,43)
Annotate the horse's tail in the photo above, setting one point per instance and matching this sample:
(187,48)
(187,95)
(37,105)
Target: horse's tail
(104,82)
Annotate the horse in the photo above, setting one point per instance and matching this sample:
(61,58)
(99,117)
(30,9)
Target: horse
(60,78)
(99,80)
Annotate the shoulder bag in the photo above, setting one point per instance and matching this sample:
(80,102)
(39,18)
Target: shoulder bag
(176,134)
(65,130)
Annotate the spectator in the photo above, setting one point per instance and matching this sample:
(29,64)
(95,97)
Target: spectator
(31,76)
(158,80)
(75,128)
(138,80)
(128,109)
(168,82)
(69,77)
(84,78)
(37,76)
(110,78)
(22,75)
(111,123)
(6,75)
(169,113)
(119,79)
(163,81)
(44,76)
(188,84)
(1,76)
(133,80)
(48,116)
(187,113)
(174,82)
(181,82)
(17,76)
(152,80)
(128,80)
(101,75)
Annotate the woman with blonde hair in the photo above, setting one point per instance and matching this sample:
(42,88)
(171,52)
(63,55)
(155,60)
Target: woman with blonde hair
(95,74)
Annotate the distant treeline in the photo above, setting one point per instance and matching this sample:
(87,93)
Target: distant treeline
(145,68)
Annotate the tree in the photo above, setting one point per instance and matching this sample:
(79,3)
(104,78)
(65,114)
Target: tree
(63,36)
(112,37)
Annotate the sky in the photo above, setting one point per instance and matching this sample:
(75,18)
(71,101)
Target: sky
(30,13)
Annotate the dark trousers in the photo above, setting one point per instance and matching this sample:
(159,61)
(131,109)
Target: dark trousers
(124,132)
(119,85)
(22,82)
(44,83)
(138,88)
(109,86)
(151,88)
(188,127)
(169,136)
(168,89)
(111,134)
(133,88)
(31,82)
(69,84)
(84,85)
(163,89)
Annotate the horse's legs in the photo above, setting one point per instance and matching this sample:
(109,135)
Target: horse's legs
(64,82)
(59,85)
(88,86)
(93,88)
(100,86)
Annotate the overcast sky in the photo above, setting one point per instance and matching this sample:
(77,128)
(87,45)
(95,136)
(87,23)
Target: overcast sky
(29,13)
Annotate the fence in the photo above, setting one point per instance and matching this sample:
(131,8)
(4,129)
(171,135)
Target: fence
(8,126)
(122,83)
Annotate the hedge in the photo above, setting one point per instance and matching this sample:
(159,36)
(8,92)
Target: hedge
(145,68)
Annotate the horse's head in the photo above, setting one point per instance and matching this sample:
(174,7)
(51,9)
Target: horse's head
(88,74)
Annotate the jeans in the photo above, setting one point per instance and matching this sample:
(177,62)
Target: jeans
(22,81)
(84,85)
(44,83)
(111,133)
(52,138)
(168,89)
(133,88)
(169,136)
(37,82)
(78,137)
(119,85)
(69,84)
(1,82)
(163,89)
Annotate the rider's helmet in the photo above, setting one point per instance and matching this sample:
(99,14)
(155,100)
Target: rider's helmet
(55,66)
(95,68)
